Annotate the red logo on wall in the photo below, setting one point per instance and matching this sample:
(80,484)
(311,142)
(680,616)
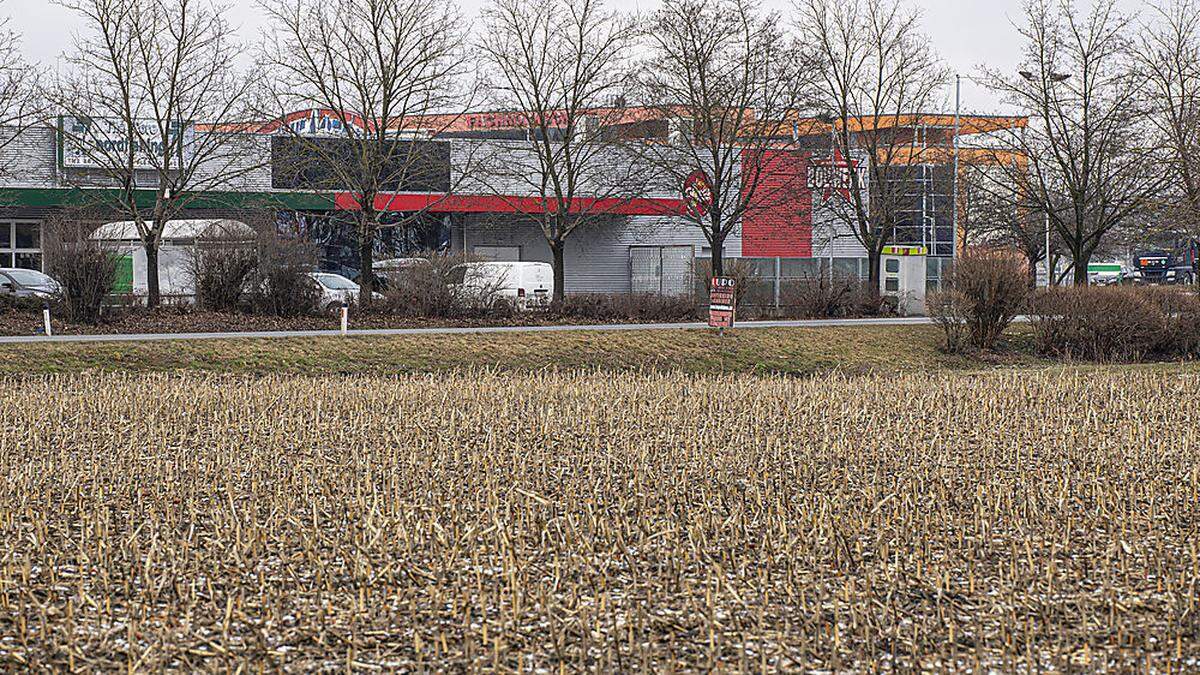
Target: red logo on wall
(697,194)
(833,176)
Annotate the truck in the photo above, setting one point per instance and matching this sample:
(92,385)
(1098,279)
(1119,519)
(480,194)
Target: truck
(1162,266)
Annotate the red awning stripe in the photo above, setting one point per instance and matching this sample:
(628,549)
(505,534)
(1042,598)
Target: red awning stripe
(446,203)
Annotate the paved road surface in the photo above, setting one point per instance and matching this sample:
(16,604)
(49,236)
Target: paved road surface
(751,325)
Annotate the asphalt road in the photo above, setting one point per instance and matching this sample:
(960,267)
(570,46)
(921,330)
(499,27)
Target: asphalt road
(258,335)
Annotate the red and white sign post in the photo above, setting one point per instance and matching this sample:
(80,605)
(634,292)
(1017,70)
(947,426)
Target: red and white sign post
(722,303)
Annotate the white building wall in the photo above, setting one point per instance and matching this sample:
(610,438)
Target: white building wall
(507,167)
(242,163)
(28,159)
(597,256)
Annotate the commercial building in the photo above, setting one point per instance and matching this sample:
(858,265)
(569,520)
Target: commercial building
(642,244)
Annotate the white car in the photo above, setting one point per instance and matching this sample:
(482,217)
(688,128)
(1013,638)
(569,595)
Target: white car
(336,289)
(23,283)
(400,264)
(525,285)
(394,270)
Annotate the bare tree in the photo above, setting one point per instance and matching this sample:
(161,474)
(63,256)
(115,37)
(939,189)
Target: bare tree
(726,75)
(1168,51)
(1088,143)
(149,95)
(999,208)
(382,70)
(879,77)
(561,66)
(21,105)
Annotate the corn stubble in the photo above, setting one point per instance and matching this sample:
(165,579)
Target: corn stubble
(560,522)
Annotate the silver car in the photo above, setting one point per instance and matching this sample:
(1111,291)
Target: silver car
(335,289)
(22,283)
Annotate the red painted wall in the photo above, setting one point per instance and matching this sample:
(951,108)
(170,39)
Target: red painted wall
(779,220)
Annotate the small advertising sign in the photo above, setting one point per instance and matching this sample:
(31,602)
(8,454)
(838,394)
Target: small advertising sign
(722,302)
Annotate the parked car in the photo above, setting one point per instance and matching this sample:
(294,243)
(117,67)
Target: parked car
(525,285)
(335,289)
(393,270)
(22,283)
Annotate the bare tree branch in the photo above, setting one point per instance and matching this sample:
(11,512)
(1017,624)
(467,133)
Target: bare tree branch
(149,96)
(563,67)
(1168,58)
(726,75)
(879,77)
(385,71)
(1091,161)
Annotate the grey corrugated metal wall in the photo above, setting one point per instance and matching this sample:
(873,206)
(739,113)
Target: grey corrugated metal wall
(597,256)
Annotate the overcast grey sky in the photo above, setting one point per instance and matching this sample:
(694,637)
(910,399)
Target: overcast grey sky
(967,33)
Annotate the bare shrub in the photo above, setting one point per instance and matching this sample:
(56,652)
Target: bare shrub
(741,270)
(434,288)
(624,307)
(1180,311)
(222,271)
(87,272)
(821,297)
(948,309)
(282,286)
(991,288)
(1103,323)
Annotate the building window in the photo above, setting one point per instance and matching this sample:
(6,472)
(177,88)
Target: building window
(21,244)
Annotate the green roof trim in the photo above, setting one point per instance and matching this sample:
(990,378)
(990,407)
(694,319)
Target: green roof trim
(77,197)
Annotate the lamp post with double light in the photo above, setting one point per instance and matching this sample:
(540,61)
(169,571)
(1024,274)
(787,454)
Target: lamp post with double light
(1052,78)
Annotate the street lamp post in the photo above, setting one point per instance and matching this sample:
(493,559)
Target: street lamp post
(955,202)
(1052,78)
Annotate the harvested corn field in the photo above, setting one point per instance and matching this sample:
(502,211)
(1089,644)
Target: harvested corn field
(517,522)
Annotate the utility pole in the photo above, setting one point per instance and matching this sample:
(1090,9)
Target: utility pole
(954,206)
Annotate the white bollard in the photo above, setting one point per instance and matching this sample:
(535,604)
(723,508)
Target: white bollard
(46,319)
(345,318)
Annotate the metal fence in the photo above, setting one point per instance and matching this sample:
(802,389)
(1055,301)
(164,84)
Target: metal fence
(766,281)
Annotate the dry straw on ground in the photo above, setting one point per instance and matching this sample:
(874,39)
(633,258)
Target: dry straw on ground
(615,522)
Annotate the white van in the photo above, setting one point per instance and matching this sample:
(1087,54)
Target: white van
(525,285)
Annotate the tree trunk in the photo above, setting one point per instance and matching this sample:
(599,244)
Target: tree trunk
(153,294)
(717,257)
(874,265)
(1032,258)
(557,248)
(1081,266)
(366,255)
